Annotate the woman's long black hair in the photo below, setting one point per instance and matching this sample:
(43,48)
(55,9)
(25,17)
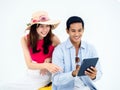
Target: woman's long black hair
(33,38)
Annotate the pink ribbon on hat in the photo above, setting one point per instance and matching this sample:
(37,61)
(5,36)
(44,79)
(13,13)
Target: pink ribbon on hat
(41,19)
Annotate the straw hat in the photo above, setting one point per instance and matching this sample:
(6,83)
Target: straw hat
(41,17)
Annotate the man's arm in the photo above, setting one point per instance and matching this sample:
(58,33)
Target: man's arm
(98,65)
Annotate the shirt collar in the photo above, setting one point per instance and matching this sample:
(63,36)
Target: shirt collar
(70,45)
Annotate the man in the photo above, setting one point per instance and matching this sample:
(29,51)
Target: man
(65,54)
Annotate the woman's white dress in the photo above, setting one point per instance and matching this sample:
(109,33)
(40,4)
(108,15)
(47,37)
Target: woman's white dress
(32,80)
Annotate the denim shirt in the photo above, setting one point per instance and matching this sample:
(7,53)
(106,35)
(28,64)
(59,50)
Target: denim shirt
(64,56)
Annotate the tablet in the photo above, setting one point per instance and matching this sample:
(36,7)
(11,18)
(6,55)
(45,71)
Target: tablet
(87,63)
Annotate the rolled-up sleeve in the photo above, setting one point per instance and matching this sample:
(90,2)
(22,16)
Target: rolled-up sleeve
(98,65)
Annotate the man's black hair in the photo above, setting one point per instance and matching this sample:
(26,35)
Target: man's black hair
(74,19)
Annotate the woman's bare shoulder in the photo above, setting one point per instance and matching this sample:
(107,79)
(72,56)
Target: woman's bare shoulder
(55,40)
(24,39)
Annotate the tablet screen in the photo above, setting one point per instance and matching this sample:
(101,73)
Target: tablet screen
(87,63)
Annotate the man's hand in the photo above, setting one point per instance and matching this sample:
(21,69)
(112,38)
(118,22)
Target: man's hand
(75,72)
(91,72)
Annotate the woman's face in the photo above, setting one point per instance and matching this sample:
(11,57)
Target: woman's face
(43,30)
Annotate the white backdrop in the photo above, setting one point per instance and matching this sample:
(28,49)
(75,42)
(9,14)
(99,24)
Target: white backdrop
(102,28)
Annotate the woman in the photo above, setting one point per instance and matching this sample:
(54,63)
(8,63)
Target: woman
(38,46)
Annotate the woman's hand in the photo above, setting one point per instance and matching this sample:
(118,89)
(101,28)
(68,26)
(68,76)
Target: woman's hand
(91,72)
(45,71)
(52,67)
(48,60)
(48,66)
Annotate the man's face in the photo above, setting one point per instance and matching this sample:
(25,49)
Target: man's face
(75,32)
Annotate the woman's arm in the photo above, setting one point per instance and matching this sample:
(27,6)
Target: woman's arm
(50,67)
(55,40)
